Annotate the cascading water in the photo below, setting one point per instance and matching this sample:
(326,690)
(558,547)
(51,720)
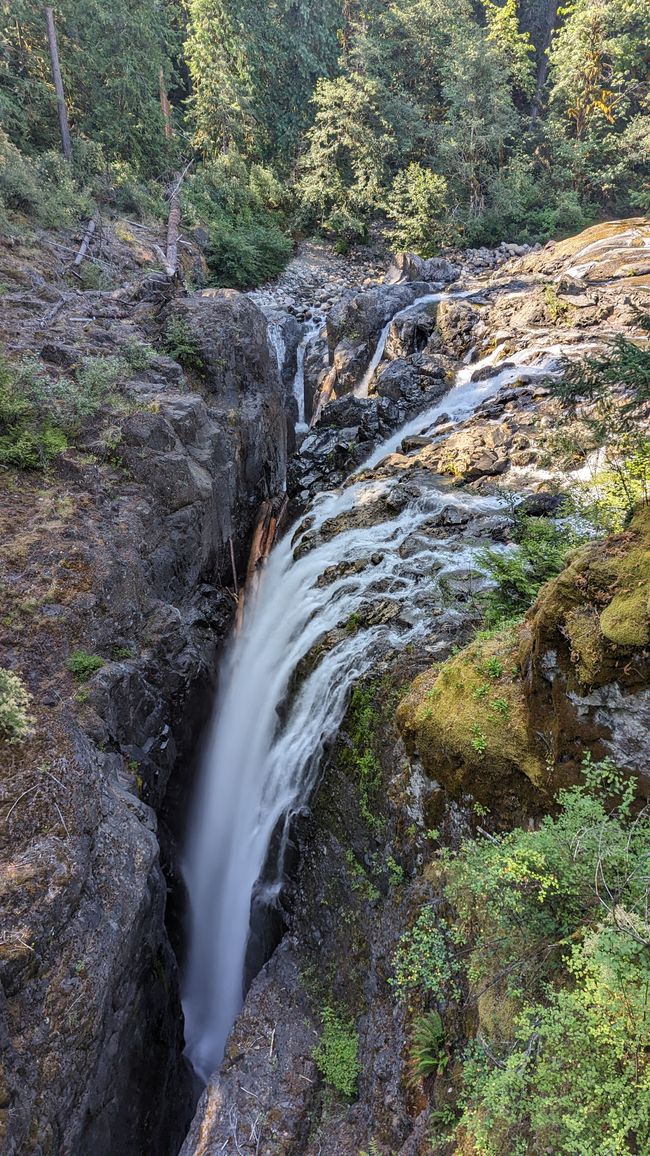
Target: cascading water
(311,332)
(261,766)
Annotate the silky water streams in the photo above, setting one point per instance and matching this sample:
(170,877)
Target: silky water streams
(268,736)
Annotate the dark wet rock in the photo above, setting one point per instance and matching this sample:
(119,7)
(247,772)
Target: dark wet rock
(541,505)
(489,371)
(354,327)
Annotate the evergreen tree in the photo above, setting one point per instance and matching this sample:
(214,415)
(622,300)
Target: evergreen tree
(254,67)
(111,58)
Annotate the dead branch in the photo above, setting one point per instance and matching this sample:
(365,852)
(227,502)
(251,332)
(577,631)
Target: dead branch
(87,238)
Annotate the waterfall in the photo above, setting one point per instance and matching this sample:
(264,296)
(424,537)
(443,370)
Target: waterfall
(261,765)
(299,381)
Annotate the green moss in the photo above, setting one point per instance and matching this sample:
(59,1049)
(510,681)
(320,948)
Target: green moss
(582,628)
(626,621)
(446,718)
(600,603)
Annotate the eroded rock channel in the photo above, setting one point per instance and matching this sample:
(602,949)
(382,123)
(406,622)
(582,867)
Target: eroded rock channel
(394,492)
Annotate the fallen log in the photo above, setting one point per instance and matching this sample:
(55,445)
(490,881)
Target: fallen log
(87,238)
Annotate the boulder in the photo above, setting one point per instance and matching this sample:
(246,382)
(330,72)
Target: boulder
(410,267)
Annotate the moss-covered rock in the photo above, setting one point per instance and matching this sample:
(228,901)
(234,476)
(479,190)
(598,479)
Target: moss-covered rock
(467,722)
(585,652)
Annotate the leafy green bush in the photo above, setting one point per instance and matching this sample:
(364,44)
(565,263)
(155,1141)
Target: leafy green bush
(83,665)
(556,922)
(16,723)
(244,254)
(522,208)
(423,961)
(241,210)
(346,228)
(539,554)
(337,1053)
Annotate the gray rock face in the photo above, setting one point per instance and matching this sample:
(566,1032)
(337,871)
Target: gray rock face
(90,1013)
(261,1099)
(410,267)
(625,717)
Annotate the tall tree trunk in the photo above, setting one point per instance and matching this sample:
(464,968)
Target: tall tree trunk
(58,85)
(165,107)
(552,7)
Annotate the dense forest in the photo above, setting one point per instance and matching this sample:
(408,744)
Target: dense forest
(438,122)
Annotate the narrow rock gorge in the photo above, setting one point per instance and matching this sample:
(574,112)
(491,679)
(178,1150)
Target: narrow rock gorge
(353,737)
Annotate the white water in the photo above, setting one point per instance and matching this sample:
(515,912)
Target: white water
(276,340)
(258,771)
(312,330)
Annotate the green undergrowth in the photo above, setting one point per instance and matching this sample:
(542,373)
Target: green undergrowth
(370,705)
(528,981)
(554,943)
(41,416)
(46,190)
(539,554)
(242,209)
(83,665)
(337,1053)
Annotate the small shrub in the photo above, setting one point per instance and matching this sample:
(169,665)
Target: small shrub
(337,1053)
(558,310)
(347,229)
(83,665)
(43,189)
(16,723)
(479,740)
(181,344)
(138,354)
(539,554)
(423,961)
